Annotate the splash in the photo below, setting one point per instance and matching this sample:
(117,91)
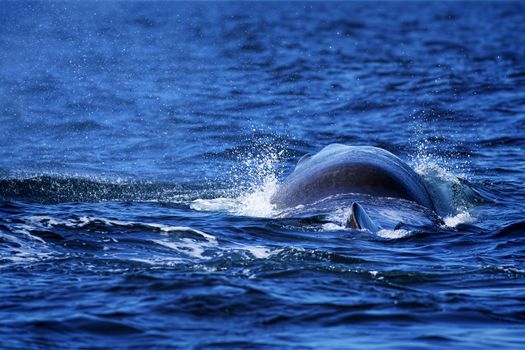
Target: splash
(453,198)
(254,181)
(463,217)
(257,202)
(254,201)
(443,174)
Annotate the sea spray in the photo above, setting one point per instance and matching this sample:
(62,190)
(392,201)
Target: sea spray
(254,179)
(452,197)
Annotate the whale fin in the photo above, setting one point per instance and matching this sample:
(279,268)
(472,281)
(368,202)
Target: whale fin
(360,220)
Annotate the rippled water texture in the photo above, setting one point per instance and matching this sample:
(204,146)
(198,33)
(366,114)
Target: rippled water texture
(140,144)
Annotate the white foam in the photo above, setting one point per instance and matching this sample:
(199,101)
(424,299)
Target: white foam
(330,226)
(207,250)
(192,248)
(187,247)
(257,203)
(254,181)
(259,252)
(24,251)
(25,230)
(46,221)
(171,229)
(254,202)
(393,234)
(42,219)
(463,217)
(215,204)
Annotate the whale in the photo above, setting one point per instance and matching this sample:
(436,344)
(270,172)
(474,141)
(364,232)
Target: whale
(359,175)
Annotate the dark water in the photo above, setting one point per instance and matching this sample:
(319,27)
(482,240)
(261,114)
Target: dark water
(140,143)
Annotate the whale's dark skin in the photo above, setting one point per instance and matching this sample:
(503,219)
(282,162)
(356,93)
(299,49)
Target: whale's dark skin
(342,169)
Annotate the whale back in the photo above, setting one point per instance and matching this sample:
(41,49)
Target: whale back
(342,169)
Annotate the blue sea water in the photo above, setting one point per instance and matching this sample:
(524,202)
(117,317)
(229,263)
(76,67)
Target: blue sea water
(140,144)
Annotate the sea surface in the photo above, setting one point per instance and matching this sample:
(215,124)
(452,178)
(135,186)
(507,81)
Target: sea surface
(140,144)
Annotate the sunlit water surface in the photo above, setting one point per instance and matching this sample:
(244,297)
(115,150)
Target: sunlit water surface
(140,145)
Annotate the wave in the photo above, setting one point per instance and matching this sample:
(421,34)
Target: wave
(63,188)
(252,182)
(42,237)
(516,229)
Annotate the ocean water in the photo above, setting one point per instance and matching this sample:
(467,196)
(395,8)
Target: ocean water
(140,144)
